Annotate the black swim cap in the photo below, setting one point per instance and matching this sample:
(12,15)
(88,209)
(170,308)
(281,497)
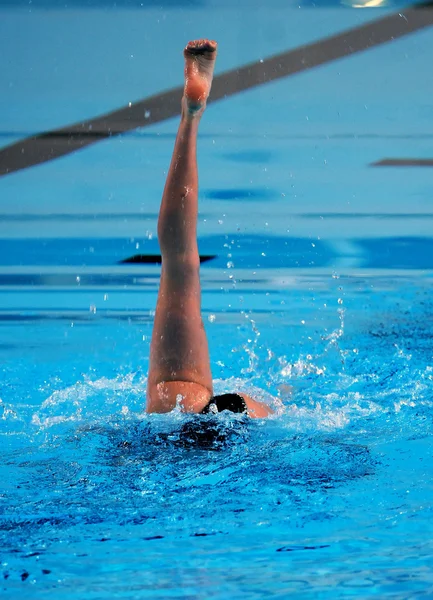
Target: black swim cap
(232,402)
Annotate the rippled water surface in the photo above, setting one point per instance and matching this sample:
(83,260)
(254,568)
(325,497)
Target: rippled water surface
(334,492)
(315,231)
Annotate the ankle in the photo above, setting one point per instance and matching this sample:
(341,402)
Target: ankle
(190,112)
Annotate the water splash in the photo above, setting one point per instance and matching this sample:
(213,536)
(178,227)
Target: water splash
(91,472)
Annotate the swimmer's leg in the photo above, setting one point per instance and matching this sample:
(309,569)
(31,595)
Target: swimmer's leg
(179,356)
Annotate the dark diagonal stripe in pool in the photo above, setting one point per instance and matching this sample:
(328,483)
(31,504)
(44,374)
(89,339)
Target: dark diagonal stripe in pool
(54,144)
(404,162)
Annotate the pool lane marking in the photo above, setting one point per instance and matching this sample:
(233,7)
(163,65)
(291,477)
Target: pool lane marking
(31,217)
(156,259)
(53,144)
(403,162)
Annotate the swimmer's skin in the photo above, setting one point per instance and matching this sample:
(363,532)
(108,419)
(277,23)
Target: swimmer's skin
(179,356)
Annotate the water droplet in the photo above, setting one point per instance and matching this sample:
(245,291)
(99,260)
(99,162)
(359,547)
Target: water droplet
(92,308)
(147,114)
(340,300)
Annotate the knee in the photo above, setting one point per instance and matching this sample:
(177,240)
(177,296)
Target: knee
(185,266)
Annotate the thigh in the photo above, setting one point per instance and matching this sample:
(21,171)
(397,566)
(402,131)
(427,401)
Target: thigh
(179,349)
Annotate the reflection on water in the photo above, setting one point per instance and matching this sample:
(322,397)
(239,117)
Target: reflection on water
(249,252)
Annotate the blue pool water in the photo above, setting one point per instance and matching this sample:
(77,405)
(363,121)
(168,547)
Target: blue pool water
(317,300)
(333,493)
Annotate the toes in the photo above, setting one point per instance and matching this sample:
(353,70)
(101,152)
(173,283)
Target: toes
(201,47)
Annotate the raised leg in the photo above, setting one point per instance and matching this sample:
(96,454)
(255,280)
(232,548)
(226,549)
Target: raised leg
(179,370)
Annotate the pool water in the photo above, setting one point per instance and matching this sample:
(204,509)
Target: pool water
(331,496)
(315,220)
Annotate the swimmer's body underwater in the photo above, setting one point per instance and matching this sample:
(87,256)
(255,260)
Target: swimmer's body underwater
(179,370)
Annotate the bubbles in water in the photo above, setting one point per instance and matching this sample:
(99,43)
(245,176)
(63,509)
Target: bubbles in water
(211,318)
(179,400)
(147,114)
(92,308)
(251,346)
(6,412)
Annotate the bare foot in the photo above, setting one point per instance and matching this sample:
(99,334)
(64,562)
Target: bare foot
(200,58)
